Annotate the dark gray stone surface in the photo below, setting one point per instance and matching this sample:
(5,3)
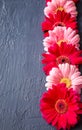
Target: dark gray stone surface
(21,77)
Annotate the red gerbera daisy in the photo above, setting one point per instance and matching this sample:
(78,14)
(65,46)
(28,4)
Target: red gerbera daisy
(60,106)
(61,18)
(65,53)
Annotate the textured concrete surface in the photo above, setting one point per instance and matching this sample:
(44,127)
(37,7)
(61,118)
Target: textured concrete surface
(21,77)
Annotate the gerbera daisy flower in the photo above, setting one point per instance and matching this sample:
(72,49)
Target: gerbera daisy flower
(60,19)
(65,73)
(67,5)
(59,106)
(59,35)
(65,53)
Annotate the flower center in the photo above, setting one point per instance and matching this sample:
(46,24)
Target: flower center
(60,42)
(59,8)
(61,106)
(67,81)
(59,24)
(62,59)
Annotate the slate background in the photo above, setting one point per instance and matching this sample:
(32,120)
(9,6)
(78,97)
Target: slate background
(21,77)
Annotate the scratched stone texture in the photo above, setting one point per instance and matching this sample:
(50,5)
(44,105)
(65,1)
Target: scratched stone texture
(21,77)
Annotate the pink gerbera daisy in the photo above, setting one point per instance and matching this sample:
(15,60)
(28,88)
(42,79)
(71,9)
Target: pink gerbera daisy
(55,5)
(60,106)
(59,35)
(65,53)
(68,74)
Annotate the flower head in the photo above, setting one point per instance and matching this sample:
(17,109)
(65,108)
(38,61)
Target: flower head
(65,53)
(67,5)
(59,106)
(59,35)
(61,18)
(65,73)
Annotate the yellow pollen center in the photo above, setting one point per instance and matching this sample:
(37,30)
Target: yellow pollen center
(60,41)
(66,81)
(59,8)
